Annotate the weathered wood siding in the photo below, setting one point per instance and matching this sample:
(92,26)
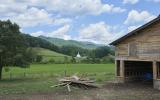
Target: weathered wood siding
(143,46)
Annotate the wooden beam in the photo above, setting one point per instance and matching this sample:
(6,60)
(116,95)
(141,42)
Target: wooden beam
(154,70)
(68,87)
(116,67)
(122,68)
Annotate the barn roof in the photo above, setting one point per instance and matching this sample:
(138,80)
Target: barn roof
(135,31)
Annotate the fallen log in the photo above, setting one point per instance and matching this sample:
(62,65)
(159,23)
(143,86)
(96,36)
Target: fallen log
(62,84)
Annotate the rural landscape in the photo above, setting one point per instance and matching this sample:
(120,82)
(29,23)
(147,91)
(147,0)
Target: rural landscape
(41,62)
(79,50)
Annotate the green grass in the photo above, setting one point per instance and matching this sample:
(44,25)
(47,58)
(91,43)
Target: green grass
(48,55)
(39,77)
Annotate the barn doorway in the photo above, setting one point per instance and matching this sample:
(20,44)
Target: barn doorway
(139,71)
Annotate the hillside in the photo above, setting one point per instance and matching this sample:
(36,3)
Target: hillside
(49,55)
(61,42)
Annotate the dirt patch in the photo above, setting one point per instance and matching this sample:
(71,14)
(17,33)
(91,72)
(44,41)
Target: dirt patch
(110,91)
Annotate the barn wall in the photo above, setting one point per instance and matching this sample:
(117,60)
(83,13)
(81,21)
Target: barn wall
(143,46)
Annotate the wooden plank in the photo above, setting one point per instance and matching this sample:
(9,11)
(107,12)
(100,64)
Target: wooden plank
(68,87)
(154,70)
(61,84)
(116,65)
(158,73)
(122,69)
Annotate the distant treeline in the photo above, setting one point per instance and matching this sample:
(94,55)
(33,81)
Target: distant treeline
(69,50)
(38,42)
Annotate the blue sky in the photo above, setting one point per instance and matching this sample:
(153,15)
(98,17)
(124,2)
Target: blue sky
(98,21)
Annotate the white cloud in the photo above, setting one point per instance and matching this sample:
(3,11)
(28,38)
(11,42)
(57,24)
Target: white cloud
(135,17)
(33,17)
(130,1)
(64,7)
(81,7)
(62,21)
(10,8)
(36,34)
(59,33)
(156,1)
(29,13)
(97,33)
(131,28)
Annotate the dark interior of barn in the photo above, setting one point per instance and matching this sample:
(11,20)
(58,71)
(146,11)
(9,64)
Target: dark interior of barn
(138,71)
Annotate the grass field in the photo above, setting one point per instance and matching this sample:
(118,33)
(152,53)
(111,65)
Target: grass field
(39,77)
(50,55)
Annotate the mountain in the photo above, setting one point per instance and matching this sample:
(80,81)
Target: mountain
(62,42)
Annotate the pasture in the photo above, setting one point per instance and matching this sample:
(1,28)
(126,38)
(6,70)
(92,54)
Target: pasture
(36,84)
(39,77)
(49,55)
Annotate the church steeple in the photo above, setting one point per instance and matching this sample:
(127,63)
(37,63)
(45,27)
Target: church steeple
(78,55)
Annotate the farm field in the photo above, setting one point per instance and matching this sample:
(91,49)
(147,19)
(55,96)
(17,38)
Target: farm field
(39,77)
(50,55)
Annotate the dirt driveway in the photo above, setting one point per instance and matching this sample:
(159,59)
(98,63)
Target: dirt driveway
(109,91)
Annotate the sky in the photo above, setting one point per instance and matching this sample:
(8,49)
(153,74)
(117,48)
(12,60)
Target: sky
(98,21)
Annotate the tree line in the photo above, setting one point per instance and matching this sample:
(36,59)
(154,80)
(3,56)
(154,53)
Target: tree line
(68,50)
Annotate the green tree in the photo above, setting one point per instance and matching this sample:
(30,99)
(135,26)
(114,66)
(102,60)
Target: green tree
(12,46)
(103,51)
(39,58)
(66,59)
(73,60)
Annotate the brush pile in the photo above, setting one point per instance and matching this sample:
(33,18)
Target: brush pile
(76,81)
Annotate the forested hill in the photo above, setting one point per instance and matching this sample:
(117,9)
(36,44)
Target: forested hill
(9,29)
(38,42)
(67,50)
(62,42)
(70,50)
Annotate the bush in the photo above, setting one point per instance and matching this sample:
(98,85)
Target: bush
(51,61)
(39,58)
(6,69)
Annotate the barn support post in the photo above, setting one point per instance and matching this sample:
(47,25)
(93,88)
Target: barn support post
(154,70)
(121,76)
(116,65)
(122,70)
(156,82)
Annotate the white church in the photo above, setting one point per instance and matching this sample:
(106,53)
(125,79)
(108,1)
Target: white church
(78,55)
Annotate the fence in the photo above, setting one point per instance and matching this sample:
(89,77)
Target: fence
(25,75)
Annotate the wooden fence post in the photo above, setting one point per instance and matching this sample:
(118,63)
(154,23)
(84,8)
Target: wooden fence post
(24,74)
(65,73)
(10,76)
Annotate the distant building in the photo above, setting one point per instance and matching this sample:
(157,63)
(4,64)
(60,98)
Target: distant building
(78,55)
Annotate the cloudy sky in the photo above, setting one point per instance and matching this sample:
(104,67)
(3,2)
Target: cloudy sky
(99,21)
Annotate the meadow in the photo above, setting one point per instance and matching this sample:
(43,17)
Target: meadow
(49,55)
(39,77)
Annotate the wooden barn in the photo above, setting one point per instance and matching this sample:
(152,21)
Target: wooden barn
(138,54)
